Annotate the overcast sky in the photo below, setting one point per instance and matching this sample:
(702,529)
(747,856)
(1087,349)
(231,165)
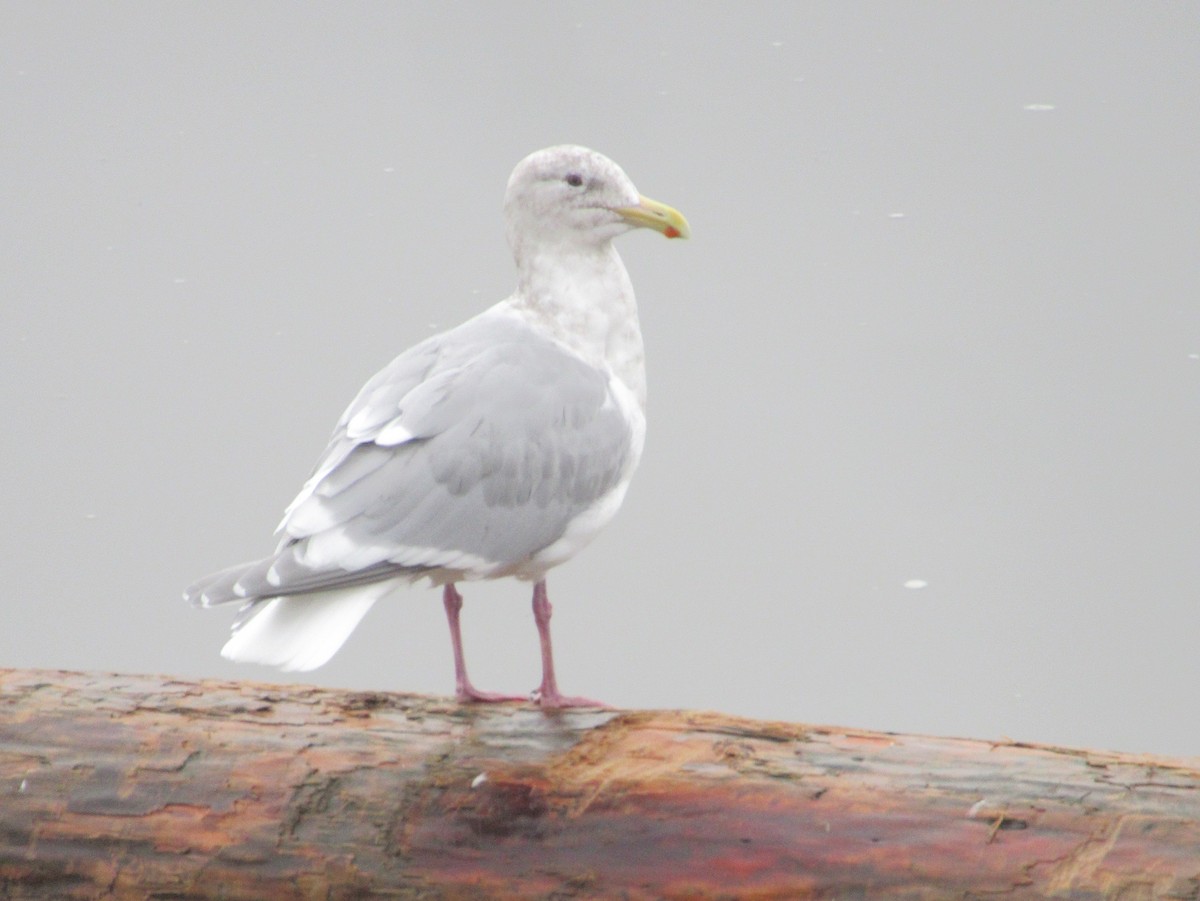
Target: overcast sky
(924,386)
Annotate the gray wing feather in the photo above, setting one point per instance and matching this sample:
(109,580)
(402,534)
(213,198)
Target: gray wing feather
(506,438)
(379,399)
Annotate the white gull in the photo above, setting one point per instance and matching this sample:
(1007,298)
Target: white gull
(498,448)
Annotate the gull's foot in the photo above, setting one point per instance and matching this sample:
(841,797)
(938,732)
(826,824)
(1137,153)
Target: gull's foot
(472,695)
(556,701)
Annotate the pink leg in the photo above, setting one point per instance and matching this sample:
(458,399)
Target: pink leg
(464,691)
(548,695)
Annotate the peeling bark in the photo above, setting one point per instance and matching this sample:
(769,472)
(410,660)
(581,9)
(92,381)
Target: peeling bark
(137,787)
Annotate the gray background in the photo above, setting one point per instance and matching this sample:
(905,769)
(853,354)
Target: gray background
(939,321)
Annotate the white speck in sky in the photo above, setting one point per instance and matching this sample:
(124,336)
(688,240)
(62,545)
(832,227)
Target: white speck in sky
(179,279)
(1039,107)
(896,215)
(89,516)
(389,168)
(776,43)
(916,583)
(1194,356)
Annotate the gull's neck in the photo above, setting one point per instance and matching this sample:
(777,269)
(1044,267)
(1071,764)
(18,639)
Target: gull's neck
(582,297)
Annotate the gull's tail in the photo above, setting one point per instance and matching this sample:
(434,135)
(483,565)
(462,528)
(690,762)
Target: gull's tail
(300,632)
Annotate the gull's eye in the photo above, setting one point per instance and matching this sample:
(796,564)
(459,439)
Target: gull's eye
(574,179)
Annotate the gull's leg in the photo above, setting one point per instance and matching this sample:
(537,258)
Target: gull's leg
(548,695)
(464,691)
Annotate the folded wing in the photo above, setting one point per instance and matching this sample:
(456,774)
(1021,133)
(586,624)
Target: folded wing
(465,456)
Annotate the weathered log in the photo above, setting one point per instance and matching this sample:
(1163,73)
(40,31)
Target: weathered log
(139,787)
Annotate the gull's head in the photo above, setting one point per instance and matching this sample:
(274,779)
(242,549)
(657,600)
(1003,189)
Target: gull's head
(569,195)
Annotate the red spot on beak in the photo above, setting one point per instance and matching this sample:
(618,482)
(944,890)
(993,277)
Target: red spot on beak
(671,232)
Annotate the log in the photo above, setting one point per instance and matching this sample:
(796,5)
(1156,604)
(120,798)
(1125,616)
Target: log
(135,787)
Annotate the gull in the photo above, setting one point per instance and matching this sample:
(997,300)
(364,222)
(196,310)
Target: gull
(498,448)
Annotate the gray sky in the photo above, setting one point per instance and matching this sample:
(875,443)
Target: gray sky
(939,321)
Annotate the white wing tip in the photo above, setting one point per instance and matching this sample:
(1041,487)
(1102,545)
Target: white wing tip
(392,434)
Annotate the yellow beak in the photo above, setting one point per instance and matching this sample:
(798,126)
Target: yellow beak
(658,216)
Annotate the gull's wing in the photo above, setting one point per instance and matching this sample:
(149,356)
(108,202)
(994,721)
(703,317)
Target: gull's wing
(465,456)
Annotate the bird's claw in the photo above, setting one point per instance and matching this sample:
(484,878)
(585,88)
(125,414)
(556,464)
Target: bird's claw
(556,701)
(472,695)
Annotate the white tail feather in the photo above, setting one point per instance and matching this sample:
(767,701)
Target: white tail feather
(301,632)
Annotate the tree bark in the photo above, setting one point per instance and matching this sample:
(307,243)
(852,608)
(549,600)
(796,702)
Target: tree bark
(135,787)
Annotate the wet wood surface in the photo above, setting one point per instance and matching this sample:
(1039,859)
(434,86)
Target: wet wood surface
(143,787)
